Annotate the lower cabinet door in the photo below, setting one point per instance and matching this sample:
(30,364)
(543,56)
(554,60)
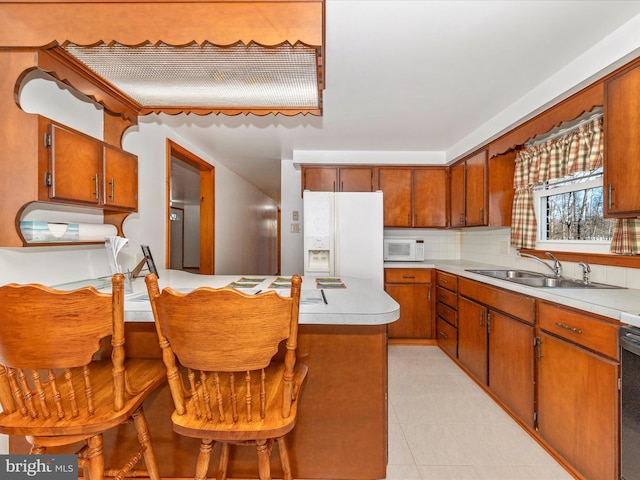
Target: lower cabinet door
(578,407)
(415,311)
(511,364)
(472,338)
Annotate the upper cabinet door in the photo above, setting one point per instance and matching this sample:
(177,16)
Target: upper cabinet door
(395,184)
(622,144)
(457,195)
(320,179)
(74,166)
(430,194)
(120,179)
(356,179)
(476,190)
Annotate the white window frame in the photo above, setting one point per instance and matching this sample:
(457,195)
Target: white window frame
(579,246)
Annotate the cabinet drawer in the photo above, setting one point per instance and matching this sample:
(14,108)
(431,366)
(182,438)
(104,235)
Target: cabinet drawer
(515,304)
(447,313)
(585,330)
(448,281)
(447,337)
(447,297)
(407,275)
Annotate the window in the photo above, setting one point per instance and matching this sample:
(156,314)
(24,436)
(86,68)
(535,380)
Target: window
(569,214)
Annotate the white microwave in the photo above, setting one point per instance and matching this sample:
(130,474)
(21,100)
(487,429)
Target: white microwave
(403,250)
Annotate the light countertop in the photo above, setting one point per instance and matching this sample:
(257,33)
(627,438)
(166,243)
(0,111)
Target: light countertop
(619,304)
(360,303)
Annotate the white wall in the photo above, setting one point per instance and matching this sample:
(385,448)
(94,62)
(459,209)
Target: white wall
(245,241)
(291,200)
(245,218)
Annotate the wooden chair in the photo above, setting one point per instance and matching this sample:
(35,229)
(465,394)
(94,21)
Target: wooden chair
(56,390)
(219,346)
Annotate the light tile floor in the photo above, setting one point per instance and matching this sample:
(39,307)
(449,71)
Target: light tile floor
(443,426)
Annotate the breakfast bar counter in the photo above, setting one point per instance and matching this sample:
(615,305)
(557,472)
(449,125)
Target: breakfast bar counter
(341,432)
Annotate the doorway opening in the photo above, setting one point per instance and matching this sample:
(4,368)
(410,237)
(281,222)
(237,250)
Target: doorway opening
(191,202)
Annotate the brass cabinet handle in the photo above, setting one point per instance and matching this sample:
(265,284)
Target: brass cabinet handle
(408,276)
(610,196)
(481,215)
(96,186)
(112,195)
(444,335)
(568,327)
(481,319)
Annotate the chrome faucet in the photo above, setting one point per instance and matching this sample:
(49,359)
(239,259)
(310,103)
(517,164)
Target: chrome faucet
(586,270)
(557,266)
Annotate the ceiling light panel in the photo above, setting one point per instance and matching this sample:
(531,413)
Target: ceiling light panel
(238,76)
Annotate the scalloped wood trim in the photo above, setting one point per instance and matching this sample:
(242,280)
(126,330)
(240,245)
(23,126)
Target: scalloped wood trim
(131,23)
(583,101)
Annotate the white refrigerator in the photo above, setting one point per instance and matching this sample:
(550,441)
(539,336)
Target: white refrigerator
(343,234)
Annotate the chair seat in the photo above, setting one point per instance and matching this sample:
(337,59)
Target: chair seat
(273,426)
(152,371)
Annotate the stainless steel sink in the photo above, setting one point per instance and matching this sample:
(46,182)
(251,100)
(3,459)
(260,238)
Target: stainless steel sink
(540,280)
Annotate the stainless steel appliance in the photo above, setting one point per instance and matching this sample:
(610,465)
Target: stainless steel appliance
(630,403)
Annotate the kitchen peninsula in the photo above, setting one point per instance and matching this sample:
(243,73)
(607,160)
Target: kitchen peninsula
(341,432)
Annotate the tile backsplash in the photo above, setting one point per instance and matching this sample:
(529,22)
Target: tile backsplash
(491,246)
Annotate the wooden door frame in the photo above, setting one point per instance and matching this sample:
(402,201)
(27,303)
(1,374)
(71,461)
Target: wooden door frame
(207,205)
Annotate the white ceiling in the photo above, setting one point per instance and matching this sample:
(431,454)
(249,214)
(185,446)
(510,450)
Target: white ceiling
(411,76)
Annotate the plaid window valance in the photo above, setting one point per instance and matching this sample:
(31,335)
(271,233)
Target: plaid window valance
(580,150)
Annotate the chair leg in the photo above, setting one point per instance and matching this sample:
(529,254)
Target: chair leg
(223,466)
(264,466)
(144,438)
(284,459)
(203,459)
(95,454)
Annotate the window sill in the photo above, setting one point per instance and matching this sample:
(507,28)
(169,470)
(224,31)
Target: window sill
(627,261)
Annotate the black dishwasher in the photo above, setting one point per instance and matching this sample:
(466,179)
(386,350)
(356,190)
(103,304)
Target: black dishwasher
(630,403)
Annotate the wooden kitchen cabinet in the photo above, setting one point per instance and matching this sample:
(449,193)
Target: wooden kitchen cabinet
(120,178)
(472,338)
(395,184)
(469,191)
(501,191)
(430,194)
(476,190)
(622,143)
(577,389)
(414,197)
(495,343)
(337,178)
(78,169)
(456,188)
(412,289)
(511,364)
(447,312)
